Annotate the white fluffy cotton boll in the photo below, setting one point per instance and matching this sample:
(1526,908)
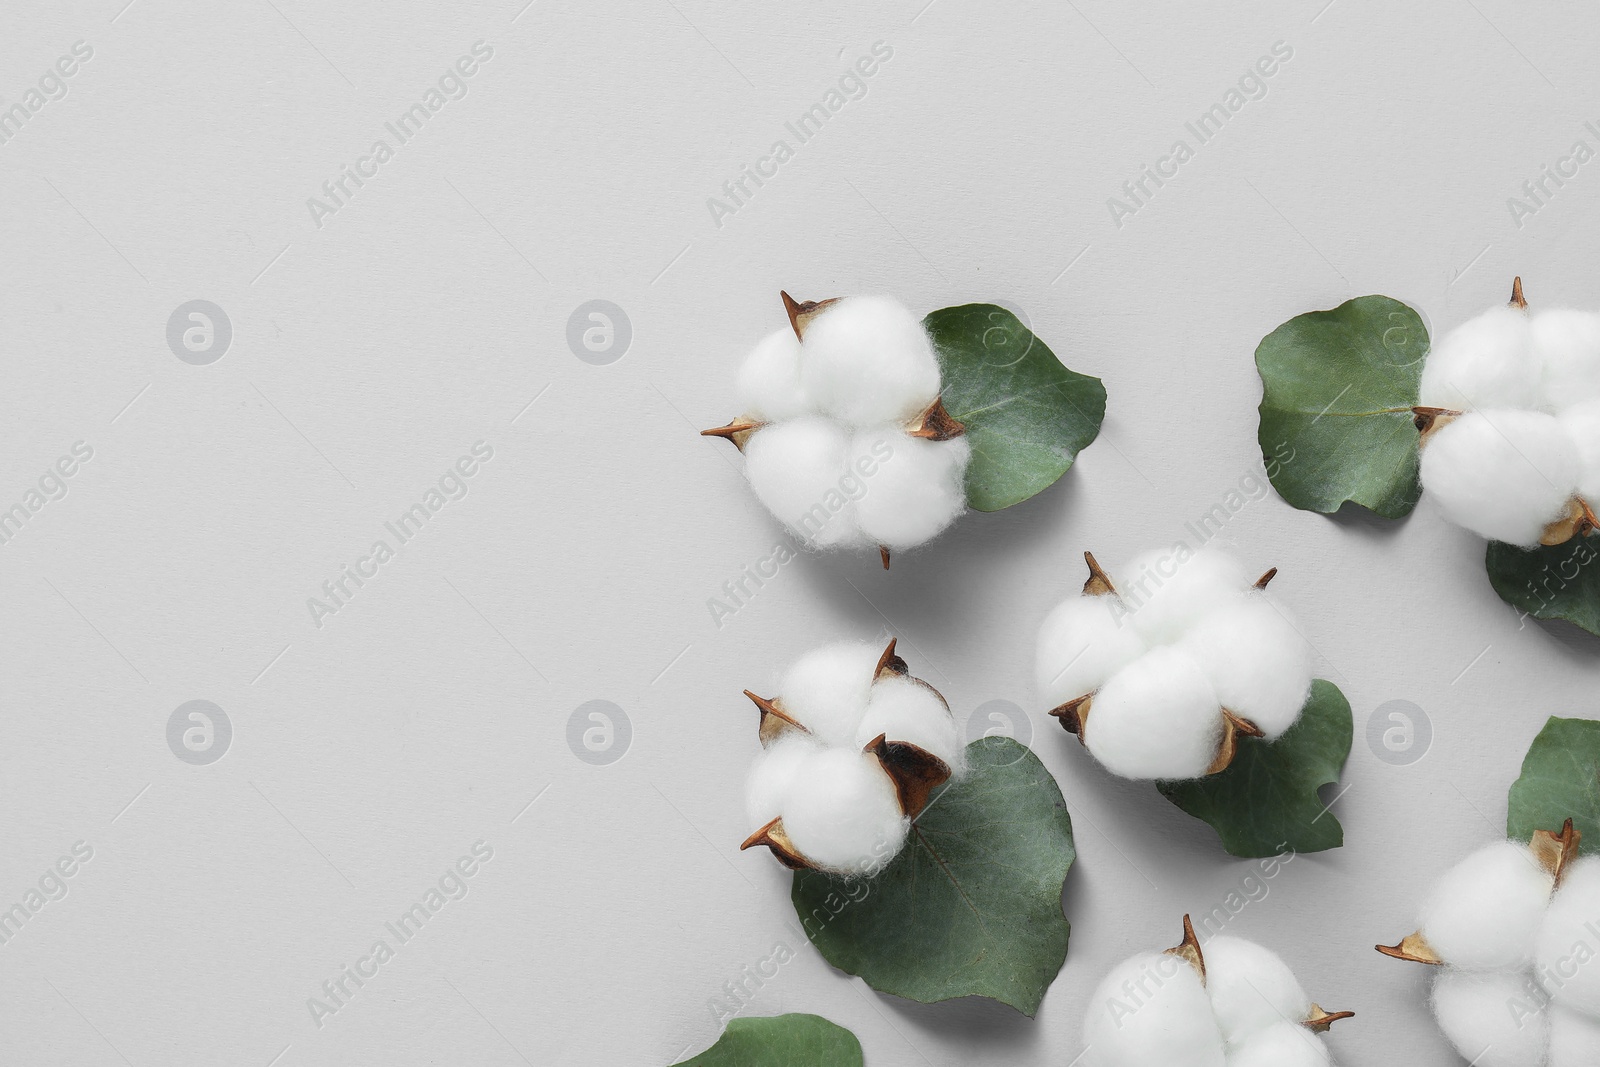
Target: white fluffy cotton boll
(867,360)
(827,689)
(794,468)
(1574,1038)
(1492,1019)
(1082,643)
(1281,1045)
(773,773)
(769,384)
(1582,423)
(1484,914)
(1568,343)
(1486,362)
(905,709)
(916,487)
(1567,952)
(1502,474)
(1156,718)
(1256,660)
(1251,988)
(1152,1011)
(842,813)
(1167,591)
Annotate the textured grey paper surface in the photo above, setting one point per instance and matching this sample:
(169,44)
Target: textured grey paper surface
(374,342)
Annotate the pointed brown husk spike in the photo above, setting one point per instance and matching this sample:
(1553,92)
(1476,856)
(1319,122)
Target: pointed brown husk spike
(1265,579)
(1414,949)
(1189,950)
(735,433)
(1517,299)
(1319,1021)
(1074,715)
(1579,521)
(801,312)
(883,554)
(937,424)
(1555,851)
(774,720)
(773,836)
(889,663)
(1232,727)
(1099,582)
(916,772)
(1429,421)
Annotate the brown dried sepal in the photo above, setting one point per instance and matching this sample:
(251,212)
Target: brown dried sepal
(1319,1021)
(936,424)
(774,837)
(1517,300)
(1189,950)
(1579,521)
(1414,949)
(1074,715)
(1263,581)
(915,772)
(890,664)
(883,554)
(1556,851)
(736,432)
(1099,582)
(1232,727)
(801,312)
(774,720)
(1430,421)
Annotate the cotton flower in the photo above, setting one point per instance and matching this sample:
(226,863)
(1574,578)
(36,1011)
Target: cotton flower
(1510,423)
(845,439)
(1159,670)
(1231,1003)
(852,747)
(1514,931)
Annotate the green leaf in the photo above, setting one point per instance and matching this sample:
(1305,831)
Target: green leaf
(1027,416)
(1548,583)
(1336,406)
(782,1041)
(1560,781)
(1266,801)
(972,904)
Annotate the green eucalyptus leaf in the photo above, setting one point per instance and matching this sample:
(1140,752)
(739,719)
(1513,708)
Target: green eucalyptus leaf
(1560,781)
(1266,801)
(782,1041)
(1549,583)
(1336,420)
(1027,416)
(972,904)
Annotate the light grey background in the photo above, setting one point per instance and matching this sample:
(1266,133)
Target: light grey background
(430,312)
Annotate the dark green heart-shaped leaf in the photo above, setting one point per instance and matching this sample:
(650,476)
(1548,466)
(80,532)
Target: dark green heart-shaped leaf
(782,1041)
(1266,801)
(1560,781)
(1336,406)
(972,904)
(1549,583)
(1027,416)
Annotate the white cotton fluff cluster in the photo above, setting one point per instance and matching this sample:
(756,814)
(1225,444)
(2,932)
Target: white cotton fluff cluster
(1249,1011)
(832,459)
(838,805)
(1184,636)
(1520,984)
(1528,440)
